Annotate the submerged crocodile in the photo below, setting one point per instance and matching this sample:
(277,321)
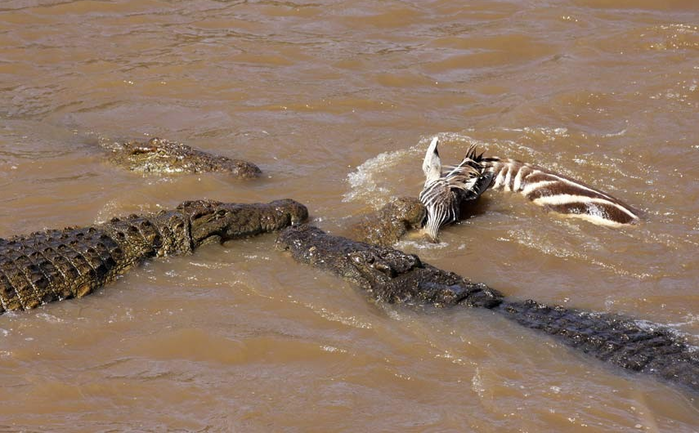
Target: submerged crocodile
(70,263)
(391,276)
(163,156)
(390,223)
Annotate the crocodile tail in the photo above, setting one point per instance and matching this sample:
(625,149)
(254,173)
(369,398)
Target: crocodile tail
(631,344)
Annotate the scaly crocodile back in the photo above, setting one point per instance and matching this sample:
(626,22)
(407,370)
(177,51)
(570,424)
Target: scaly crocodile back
(70,263)
(389,275)
(631,344)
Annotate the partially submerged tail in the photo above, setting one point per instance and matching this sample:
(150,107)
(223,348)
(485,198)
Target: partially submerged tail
(622,341)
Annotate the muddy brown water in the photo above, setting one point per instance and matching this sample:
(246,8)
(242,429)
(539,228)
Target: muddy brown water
(336,102)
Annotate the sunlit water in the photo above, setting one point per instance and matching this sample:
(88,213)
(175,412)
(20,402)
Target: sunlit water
(336,102)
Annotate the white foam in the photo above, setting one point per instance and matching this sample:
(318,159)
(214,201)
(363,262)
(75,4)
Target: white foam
(649,326)
(371,182)
(422,245)
(365,182)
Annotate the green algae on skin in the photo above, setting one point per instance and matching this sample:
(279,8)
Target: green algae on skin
(166,157)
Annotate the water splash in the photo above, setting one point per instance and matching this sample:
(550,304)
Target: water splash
(374,182)
(368,183)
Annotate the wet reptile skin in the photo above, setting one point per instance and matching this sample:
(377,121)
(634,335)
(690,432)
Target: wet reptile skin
(70,263)
(389,275)
(389,224)
(163,157)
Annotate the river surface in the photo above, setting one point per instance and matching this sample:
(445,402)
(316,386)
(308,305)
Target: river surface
(336,101)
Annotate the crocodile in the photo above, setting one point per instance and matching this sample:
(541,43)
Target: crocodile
(163,156)
(391,276)
(54,265)
(389,224)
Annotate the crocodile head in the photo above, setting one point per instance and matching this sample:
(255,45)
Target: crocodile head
(386,274)
(365,264)
(410,210)
(213,221)
(163,156)
(388,225)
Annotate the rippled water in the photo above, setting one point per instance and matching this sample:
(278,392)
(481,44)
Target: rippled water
(336,102)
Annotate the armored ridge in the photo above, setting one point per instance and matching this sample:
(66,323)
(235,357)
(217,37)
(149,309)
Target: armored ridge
(70,263)
(622,341)
(389,275)
(163,156)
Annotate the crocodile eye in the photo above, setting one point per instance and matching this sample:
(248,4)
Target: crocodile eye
(356,258)
(361,259)
(384,269)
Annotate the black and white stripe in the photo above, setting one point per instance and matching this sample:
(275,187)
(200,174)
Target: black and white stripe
(444,192)
(558,193)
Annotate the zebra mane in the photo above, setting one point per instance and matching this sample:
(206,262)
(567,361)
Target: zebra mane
(471,154)
(471,166)
(447,187)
